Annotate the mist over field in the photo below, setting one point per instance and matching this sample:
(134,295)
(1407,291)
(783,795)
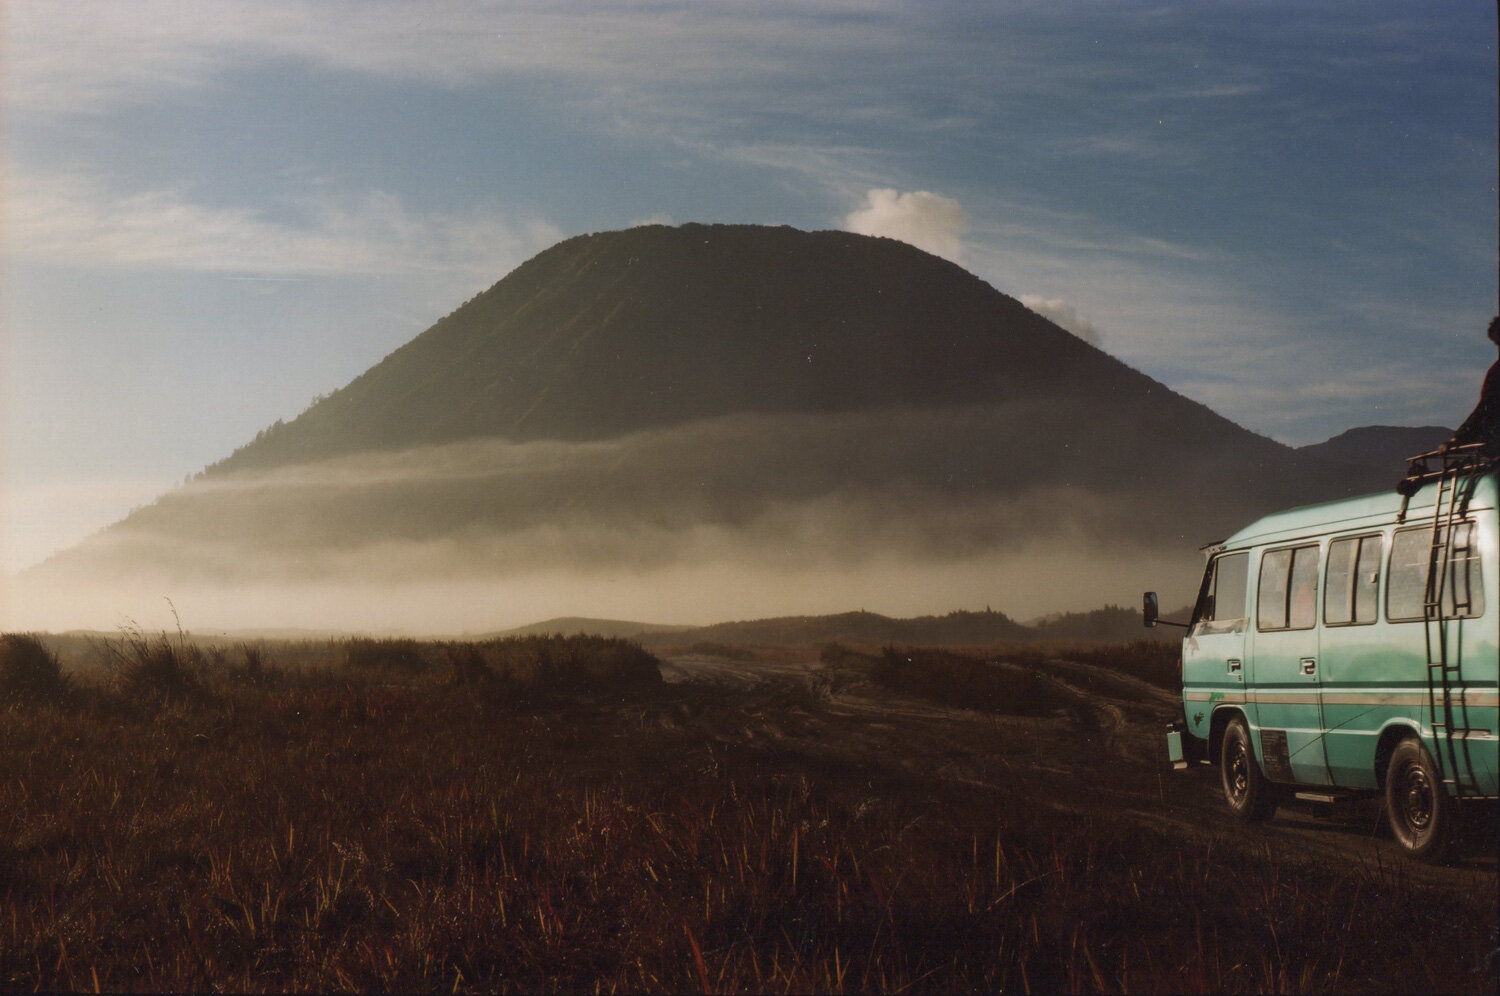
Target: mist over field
(743,515)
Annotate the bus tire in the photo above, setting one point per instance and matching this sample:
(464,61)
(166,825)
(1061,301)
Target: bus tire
(1422,816)
(1250,797)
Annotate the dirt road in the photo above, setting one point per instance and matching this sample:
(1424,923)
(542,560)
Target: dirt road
(1109,745)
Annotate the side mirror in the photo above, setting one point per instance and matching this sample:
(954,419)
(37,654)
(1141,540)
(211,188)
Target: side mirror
(1150,609)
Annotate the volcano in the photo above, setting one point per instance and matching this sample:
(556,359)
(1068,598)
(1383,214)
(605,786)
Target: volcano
(678,422)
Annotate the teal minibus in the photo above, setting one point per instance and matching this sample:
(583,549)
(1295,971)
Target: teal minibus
(1351,647)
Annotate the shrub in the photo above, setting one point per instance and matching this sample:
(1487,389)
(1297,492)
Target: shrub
(1152,661)
(958,680)
(28,670)
(838,655)
(571,661)
(467,665)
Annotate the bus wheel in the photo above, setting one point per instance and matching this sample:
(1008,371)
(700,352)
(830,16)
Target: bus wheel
(1249,795)
(1422,816)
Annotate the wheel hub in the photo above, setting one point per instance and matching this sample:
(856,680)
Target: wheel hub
(1417,799)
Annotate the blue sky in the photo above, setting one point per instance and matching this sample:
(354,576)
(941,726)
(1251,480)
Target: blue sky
(215,212)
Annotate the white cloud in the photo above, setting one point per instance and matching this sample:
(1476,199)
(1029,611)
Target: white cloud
(926,220)
(74,220)
(1063,314)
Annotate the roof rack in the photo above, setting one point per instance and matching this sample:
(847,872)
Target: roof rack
(1444,463)
(1424,468)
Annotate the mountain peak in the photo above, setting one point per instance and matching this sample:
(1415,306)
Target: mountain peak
(616,332)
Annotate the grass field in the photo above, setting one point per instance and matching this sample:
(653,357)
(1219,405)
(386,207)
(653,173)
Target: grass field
(545,815)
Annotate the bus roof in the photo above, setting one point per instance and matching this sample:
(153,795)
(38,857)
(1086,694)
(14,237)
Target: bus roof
(1352,513)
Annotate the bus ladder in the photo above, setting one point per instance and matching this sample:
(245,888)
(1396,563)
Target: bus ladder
(1451,549)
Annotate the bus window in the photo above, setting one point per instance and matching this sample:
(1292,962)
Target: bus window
(1287,597)
(1353,581)
(1406,591)
(1222,608)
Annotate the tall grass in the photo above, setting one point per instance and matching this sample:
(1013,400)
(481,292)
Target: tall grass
(144,667)
(346,829)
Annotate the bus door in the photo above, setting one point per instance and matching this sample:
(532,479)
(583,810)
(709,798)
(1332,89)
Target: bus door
(1283,671)
(1358,658)
(1213,655)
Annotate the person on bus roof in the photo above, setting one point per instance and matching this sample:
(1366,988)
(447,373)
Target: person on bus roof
(1483,424)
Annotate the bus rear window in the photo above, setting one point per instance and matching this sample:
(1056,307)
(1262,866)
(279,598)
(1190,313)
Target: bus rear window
(1462,584)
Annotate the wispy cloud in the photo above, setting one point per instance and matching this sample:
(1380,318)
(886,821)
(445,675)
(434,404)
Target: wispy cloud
(926,220)
(91,55)
(76,220)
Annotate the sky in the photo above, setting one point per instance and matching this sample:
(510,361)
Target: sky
(212,213)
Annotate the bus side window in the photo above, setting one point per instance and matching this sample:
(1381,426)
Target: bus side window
(1288,594)
(1353,581)
(1406,590)
(1222,606)
(1270,598)
(1303,603)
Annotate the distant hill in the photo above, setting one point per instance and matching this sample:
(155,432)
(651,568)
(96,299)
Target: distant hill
(1381,447)
(1110,624)
(962,628)
(747,420)
(574,626)
(855,627)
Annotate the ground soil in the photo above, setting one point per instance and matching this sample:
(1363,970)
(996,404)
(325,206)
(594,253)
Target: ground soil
(1107,751)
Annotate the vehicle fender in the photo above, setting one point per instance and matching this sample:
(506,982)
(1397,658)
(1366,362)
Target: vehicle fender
(1392,733)
(1217,723)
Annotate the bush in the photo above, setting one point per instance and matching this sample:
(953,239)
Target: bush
(467,665)
(958,680)
(570,661)
(1151,661)
(28,670)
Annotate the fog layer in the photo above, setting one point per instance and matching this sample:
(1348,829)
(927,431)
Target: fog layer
(904,512)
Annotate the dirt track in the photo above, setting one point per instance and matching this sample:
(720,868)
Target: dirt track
(1110,745)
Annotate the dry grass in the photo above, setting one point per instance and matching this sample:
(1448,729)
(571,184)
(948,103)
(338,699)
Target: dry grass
(375,829)
(28,670)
